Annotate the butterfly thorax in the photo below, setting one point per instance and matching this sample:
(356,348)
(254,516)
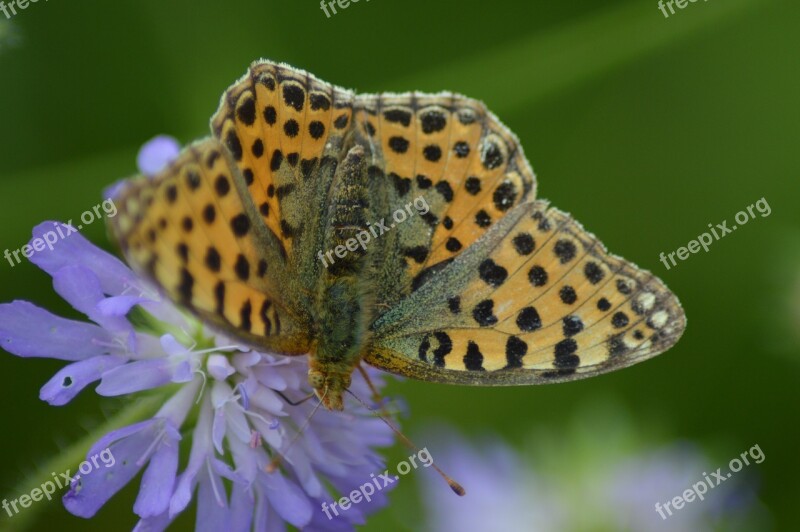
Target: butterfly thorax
(342,311)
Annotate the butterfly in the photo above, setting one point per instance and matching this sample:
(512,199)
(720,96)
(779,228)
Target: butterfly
(463,278)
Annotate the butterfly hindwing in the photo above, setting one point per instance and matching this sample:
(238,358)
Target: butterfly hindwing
(537,299)
(446,152)
(193,230)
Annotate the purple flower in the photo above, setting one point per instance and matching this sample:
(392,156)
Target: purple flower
(597,478)
(222,406)
(157,153)
(153,157)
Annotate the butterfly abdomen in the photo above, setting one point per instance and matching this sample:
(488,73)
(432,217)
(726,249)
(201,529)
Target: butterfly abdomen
(342,317)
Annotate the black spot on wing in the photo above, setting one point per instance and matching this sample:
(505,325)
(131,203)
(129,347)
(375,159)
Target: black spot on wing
(515,350)
(294,96)
(398,116)
(565,354)
(528,319)
(473,360)
(445,346)
(572,325)
(483,313)
(492,273)
(246,112)
(565,251)
(433,121)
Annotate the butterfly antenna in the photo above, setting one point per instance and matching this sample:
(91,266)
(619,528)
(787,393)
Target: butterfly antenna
(455,486)
(273,465)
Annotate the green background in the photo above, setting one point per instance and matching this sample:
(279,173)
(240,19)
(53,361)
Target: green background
(646,129)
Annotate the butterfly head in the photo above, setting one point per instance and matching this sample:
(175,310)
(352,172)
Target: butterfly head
(329,386)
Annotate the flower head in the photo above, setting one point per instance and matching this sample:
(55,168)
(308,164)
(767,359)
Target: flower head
(595,477)
(224,406)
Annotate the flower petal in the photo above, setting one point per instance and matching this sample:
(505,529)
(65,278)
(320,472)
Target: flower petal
(246,460)
(218,430)
(156,154)
(287,499)
(29,331)
(68,382)
(119,305)
(219,367)
(269,401)
(136,376)
(74,249)
(212,508)
(80,287)
(183,372)
(92,491)
(119,434)
(270,378)
(158,480)
(172,346)
(240,514)
(201,448)
(154,524)
(177,407)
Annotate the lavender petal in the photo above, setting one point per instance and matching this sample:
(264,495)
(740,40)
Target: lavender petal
(31,332)
(158,480)
(156,154)
(74,249)
(71,379)
(136,376)
(92,491)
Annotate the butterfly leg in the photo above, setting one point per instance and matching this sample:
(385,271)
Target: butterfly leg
(295,403)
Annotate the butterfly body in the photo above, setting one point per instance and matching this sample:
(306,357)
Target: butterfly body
(397,229)
(342,311)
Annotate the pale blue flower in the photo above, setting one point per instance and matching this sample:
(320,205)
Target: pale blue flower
(597,477)
(223,406)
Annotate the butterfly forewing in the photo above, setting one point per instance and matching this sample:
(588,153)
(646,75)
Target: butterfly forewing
(285,130)
(192,231)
